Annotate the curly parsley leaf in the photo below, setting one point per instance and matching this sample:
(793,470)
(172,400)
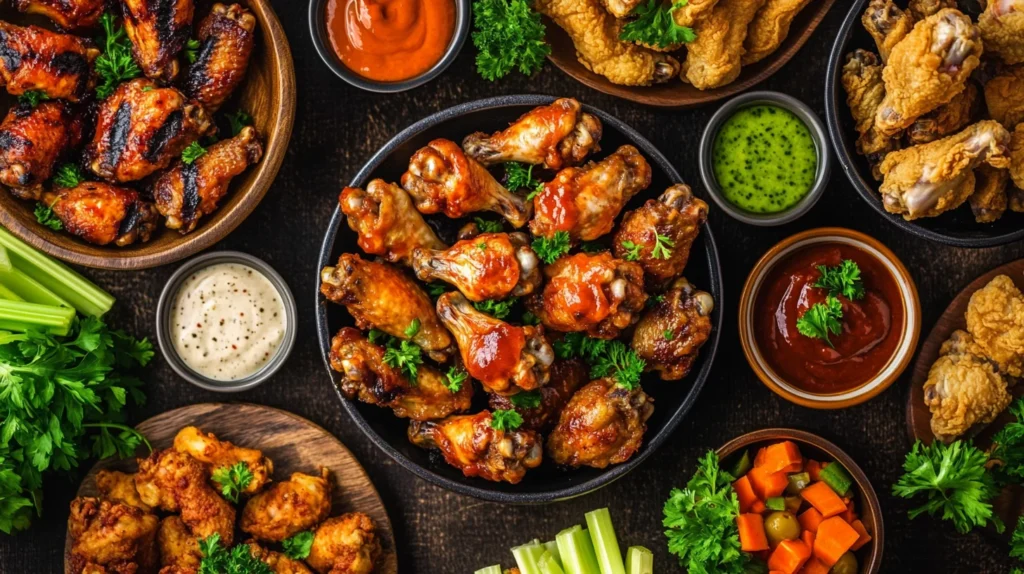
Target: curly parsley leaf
(526,399)
(621,363)
(487,226)
(194,151)
(655,26)
(496,309)
(662,247)
(1008,448)
(297,547)
(238,120)
(580,346)
(455,378)
(821,320)
(530,319)
(115,63)
(1017,540)
(68,175)
(232,480)
(192,50)
(45,216)
(413,328)
(32,98)
(216,559)
(506,420)
(632,250)
(508,34)
(549,249)
(843,279)
(435,290)
(405,357)
(520,176)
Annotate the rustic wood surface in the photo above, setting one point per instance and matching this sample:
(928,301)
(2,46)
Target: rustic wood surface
(338,128)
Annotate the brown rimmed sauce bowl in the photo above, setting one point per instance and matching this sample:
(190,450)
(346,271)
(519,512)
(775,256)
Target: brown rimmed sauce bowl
(879,331)
(869,558)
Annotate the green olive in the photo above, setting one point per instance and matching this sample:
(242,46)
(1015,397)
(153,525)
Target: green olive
(781,526)
(847,564)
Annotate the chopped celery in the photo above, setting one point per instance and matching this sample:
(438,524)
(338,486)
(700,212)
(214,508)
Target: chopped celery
(22,316)
(606,545)
(548,564)
(29,289)
(5,260)
(775,503)
(552,547)
(6,293)
(836,477)
(577,551)
(639,560)
(797,482)
(527,555)
(496,569)
(742,465)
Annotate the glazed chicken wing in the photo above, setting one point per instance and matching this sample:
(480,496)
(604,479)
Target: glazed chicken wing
(381,296)
(769,28)
(472,445)
(365,375)
(921,9)
(218,454)
(31,141)
(68,14)
(566,377)
(865,90)
(887,23)
(715,57)
(670,335)
(1002,29)
(488,266)
(289,507)
(116,486)
(585,201)
(989,200)
(1004,96)
(555,136)
(386,221)
(158,30)
(594,293)
(947,119)
(595,33)
(102,214)
(345,544)
(962,390)
(226,37)
(111,537)
(603,424)
(140,129)
(995,320)
(175,482)
(505,358)
(188,191)
(671,222)
(279,563)
(442,178)
(35,59)
(179,548)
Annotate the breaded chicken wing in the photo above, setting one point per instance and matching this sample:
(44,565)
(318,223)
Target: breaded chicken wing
(345,544)
(386,221)
(715,57)
(566,377)
(995,320)
(102,214)
(158,30)
(488,266)
(887,23)
(116,486)
(621,8)
(1004,96)
(111,537)
(176,482)
(865,90)
(288,507)
(178,546)
(36,59)
(279,563)
(1016,154)
(921,9)
(1002,29)
(217,454)
(769,28)
(226,37)
(962,390)
(31,141)
(947,119)
(989,200)
(68,14)
(669,336)
(693,12)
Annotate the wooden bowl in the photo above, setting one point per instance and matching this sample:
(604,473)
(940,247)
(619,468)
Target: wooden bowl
(267,94)
(675,93)
(812,445)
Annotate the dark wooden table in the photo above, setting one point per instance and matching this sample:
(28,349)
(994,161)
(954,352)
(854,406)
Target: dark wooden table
(337,128)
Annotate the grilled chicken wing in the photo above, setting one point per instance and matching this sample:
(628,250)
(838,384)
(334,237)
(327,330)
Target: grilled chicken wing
(386,221)
(31,141)
(174,481)
(179,548)
(36,59)
(1004,96)
(585,201)
(345,544)
(188,191)
(472,445)
(504,358)
(602,424)
(488,266)
(226,37)
(714,58)
(770,28)
(673,221)
(946,119)
(279,563)
(989,200)
(289,507)
(566,377)
(671,334)
(140,129)
(555,136)
(116,486)
(102,214)
(442,178)
(365,375)
(888,24)
(865,90)
(381,296)
(111,537)
(68,14)
(158,30)
(1002,29)
(594,293)
(216,454)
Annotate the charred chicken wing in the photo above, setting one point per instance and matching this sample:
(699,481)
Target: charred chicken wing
(35,59)
(68,14)
(179,549)
(671,334)
(540,408)
(1002,29)
(217,454)
(386,221)
(995,320)
(865,90)
(888,24)
(714,59)
(158,30)
(111,537)
(31,141)
(962,390)
(174,481)
(345,544)
(289,507)
(226,38)
(102,214)
(488,266)
(116,486)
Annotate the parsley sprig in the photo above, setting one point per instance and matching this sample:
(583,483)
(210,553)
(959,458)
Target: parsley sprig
(192,50)
(115,63)
(216,559)
(404,356)
(32,98)
(508,35)
(821,320)
(194,151)
(45,216)
(526,399)
(843,279)
(506,420)
(549,249)
(662,246)
(1017,545)
(632,250)
(232,480)
(620,363)
(1008,448)
(496,309)
(68,175)
(297,547)
(655,26)
(487,226)
(238,120)
(455,378)
(520,176)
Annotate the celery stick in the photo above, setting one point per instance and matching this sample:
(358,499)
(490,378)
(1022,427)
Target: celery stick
(81,293)
(548,564)
(606,545)
(21,316)
(639,560)
(5,260)
(6,293)
(552,547)
(496,569)
(577,551)
(526,556)
(29,289)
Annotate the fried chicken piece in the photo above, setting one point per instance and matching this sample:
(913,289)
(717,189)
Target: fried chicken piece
(488,266)
(715,57)
(179,548)
(158,30)
(116,486)
(1002,29)
(505,358)
(289,507)
(140,129)
(188,191)
(1016,154)
(381,296)
(621,8)
(174,481)
(995,320)
(102,214)
(769,28)
(595,33)
(693,12)
(31,141)
(555,136)
(928,68)
(345,544)
(673,222)
(946,119)
(442,178)
(962,390)
(670,335)
(962,343)
(111,537)
(36,59)
(68,14)
(226,37)
(386,221)
(865,90)
(594,293)
(585,201)
(217,454)
(989,200)
(566,377)
(887,24)
(929,179)
(472,445)
(603,424)
(921,9)
(279,563)
(1004,96)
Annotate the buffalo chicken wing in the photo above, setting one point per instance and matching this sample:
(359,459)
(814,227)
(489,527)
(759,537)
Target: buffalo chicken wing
(541,413)
(68,14)
(102,214)
(226,38)
(158,30)
(386,221)
(488,266)
(36,59)
(288,507)
(671,334)
(31,141)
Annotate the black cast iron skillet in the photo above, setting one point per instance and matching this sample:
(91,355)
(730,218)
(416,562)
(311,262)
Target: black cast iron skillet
(547,483)
(955,227)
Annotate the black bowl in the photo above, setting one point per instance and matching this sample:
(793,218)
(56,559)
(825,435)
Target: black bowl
(546,483)
(955,227)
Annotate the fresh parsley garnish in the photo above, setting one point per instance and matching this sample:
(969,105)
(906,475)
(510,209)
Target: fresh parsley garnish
(496,309)
(238,120)
(508,34)
(843,279)
(655,26)
(632,250)
(487,226)
(45,216)
(506,420)
(297,547)
(455,378)
(32,98)
(412,329)
(216,559)
(592,247)
(194,151)
(68,175)
(549,249)
(1008,448)
(115,63)
(192,50)
(620,363)
(406,357)
(526,399)
(653,300)
(520,176)
(662,246)
(232,480)
(482,246)
(580,346)
(668,334)
(435,290)
(1017,543)
(821,320)
(530,319)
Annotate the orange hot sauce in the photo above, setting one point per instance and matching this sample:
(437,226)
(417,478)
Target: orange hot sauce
(390,40)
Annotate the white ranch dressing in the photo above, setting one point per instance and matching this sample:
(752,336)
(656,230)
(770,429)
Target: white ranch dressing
(227,322)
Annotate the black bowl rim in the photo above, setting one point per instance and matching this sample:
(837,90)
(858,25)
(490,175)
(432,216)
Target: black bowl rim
(610,474)
(868,190)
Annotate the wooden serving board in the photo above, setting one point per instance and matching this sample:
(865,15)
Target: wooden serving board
(292,442)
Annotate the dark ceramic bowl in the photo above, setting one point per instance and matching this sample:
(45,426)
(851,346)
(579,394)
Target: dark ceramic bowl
(322,43)
(546,483)
(956,227)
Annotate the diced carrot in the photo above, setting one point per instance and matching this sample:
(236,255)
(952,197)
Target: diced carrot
(814,566)
(758,507)
(813,468)
(822,497)
(783,457)
(850,514)
(863,532)
(810,519)
(752,536)
(808,537)
(789,556)
(834,538)
(776,572)
(759,457)
(767,484)
(745,493)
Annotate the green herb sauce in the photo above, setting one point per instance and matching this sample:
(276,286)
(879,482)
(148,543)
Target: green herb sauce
(764,159)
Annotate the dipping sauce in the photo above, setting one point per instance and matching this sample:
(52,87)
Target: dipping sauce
(764,159)
(871,327)
(390,40)
(227,322)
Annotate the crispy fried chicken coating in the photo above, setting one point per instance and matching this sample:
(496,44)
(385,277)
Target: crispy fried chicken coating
(1002,29)
(288,507)
(345,544)
(117,486)
(887,23)
(176,482)
(714,58)
(111,537)
(769,28)
(962,390)
(995,320)
(217,454)
(1004,96)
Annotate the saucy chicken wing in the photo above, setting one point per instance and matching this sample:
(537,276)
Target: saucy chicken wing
(555,136)
(158,30)
(887,24)
(488,266)
(179,548)
(279,563)
(226,37)
(381,296)
(594,293)
(584,201)
(505,358)
(770,28)
(345,544)
(31,141)
(471,444)
(111,537)
(670,335)
(386,221)
(116,486)
(989,200)
(947,119)
(188,191)
(68,14)
(102,214)
(714,59)
(540,408)
(603,424)
(1004,96)
(175,482)
(865,90)
(36,59)
(217,454)
(1002,29)
(995,320)
(962,390)
(288,507)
